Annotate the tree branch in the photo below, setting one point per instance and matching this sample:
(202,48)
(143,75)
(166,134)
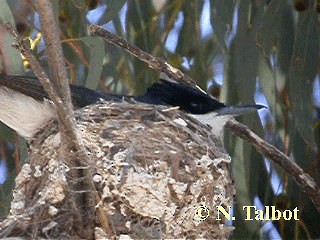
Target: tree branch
(153,62)
(54,50)
(24,47)
(80,182)
(71,149)
(304,180)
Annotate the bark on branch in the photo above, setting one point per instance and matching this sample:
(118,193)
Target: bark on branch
(81,189)
(304,180)
(153,62)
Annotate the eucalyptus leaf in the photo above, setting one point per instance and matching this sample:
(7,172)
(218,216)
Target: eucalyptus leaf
(268,33)
(96,47)
(221,18)
(286,39)
(240,85)
(112,11)
(303,68)
(13,59)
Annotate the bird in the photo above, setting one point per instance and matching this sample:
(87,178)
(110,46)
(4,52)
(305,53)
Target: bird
(26,107)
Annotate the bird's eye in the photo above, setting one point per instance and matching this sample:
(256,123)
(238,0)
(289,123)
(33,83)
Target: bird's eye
(195,105)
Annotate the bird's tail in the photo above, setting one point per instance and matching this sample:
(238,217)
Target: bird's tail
(239,110)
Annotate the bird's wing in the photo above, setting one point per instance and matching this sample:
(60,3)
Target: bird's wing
(29,86)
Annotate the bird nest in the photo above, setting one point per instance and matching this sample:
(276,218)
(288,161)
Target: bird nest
(158,174)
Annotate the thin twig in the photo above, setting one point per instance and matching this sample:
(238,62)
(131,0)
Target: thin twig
(59,93)
(24,47)
(305,181)
(153,62)
(71,149)
(54,49)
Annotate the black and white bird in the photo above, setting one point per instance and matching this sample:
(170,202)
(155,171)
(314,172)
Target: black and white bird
(25,106)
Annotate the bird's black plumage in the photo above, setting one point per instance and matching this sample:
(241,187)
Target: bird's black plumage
(31,87)
(25,105)
(189,99)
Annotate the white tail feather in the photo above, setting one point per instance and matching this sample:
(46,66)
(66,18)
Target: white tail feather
(23,113)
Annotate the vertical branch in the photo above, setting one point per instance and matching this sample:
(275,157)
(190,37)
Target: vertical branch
(80,185)
(57,66)
(54,49)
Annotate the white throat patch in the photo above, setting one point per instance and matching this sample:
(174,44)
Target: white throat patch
(216,122)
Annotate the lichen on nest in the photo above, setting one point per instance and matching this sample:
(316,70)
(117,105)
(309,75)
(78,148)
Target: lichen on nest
(152,167)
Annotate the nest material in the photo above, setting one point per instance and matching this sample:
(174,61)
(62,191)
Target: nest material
(153,168)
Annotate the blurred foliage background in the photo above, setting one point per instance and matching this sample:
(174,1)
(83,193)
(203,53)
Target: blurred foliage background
(241,51)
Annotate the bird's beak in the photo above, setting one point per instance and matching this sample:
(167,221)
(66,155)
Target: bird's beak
(239,110)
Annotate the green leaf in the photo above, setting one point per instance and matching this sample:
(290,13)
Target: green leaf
(286,39)
(188,46)
(112,11)
(143,32)
(13,61)
(303,69)
(239,86)
(96,48)
(242,175)
(6,134)
(221,18)
(268,32)
(267,80)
